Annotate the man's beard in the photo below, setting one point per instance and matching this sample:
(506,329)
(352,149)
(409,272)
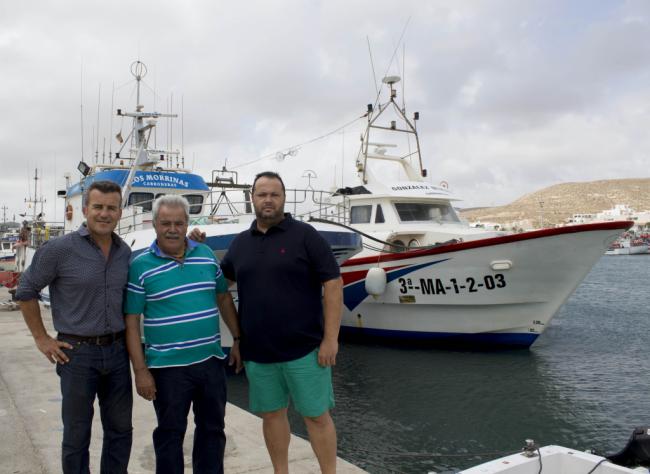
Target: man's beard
(276,216)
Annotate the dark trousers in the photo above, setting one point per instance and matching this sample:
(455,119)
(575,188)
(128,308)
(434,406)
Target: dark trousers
(102,372)
(203,386)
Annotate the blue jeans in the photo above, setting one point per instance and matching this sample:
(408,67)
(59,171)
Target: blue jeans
(102,372)
(203,386)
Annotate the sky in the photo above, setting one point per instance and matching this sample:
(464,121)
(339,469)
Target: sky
(513,95)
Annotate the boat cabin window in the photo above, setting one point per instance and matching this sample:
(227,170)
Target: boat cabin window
(196,202)
(379,215)
(360,214)
(143,200)
(426,212)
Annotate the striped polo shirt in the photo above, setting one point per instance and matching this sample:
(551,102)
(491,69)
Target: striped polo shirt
(178,301)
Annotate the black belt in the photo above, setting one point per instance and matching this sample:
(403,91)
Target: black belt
(105,340)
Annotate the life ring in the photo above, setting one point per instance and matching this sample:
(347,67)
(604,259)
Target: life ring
(68,212)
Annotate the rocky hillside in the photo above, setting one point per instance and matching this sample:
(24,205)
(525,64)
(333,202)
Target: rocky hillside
(561,201)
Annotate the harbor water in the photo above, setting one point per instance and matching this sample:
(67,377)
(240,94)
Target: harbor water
(584,384)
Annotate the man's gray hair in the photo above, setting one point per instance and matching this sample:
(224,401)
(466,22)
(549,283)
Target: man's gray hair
(171,200)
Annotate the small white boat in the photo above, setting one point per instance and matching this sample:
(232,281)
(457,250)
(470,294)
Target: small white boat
(553,460)
(7,252)
(633,458)
(628,246)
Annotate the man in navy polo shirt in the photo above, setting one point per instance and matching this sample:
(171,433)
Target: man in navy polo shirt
(290,302)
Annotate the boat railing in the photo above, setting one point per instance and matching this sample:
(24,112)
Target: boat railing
(41,232)
(225,205)
(307,203)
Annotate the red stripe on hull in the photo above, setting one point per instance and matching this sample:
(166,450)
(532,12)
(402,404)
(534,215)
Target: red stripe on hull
(504,239)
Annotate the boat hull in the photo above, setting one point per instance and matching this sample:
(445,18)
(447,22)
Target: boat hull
(634,250)
(555,459)
(497,292)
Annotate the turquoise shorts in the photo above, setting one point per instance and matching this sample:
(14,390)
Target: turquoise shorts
(308,384)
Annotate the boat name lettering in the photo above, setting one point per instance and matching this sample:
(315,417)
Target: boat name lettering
(438,286)
(411,186)
(160,180)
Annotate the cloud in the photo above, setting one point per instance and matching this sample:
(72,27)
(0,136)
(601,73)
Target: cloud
(513,95)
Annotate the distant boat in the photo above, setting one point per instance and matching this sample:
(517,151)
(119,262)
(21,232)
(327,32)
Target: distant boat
(7,250)
(628,246)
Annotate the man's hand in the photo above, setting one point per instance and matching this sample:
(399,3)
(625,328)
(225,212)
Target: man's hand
(145,384)
(52,349)
(327,352)
(197,236)
(235,357)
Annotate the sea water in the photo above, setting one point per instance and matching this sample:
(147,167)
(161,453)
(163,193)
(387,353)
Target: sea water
(584,384)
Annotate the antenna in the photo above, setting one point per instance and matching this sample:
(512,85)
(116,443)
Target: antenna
(99,96)
(390,63)
(408,137)
(403,75)
(372,65)
(182,132)
(155,130)
(92,141)
(171,131)
(342,157)
(110,142)
(81,106)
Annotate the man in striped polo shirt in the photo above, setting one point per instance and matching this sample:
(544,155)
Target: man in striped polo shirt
(178,286)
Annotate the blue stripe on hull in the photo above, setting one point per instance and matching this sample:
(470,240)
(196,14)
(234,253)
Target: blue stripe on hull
(465,340)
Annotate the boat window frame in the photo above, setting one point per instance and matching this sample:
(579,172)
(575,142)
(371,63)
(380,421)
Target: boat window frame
(195,207)
(379,214)
(145,204)
(366,208)
(455,219)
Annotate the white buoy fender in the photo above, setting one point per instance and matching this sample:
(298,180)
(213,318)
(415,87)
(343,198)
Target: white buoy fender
(376,281)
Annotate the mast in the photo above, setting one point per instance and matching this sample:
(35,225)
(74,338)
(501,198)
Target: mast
(36,200)
(144,158)
(374,114)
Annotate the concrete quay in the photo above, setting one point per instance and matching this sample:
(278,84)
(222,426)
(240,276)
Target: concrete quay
(31,428)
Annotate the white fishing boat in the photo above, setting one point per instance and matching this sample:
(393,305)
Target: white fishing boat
(426,275)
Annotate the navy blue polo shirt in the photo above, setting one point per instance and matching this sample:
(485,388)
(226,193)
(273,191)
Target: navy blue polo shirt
(279,277)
